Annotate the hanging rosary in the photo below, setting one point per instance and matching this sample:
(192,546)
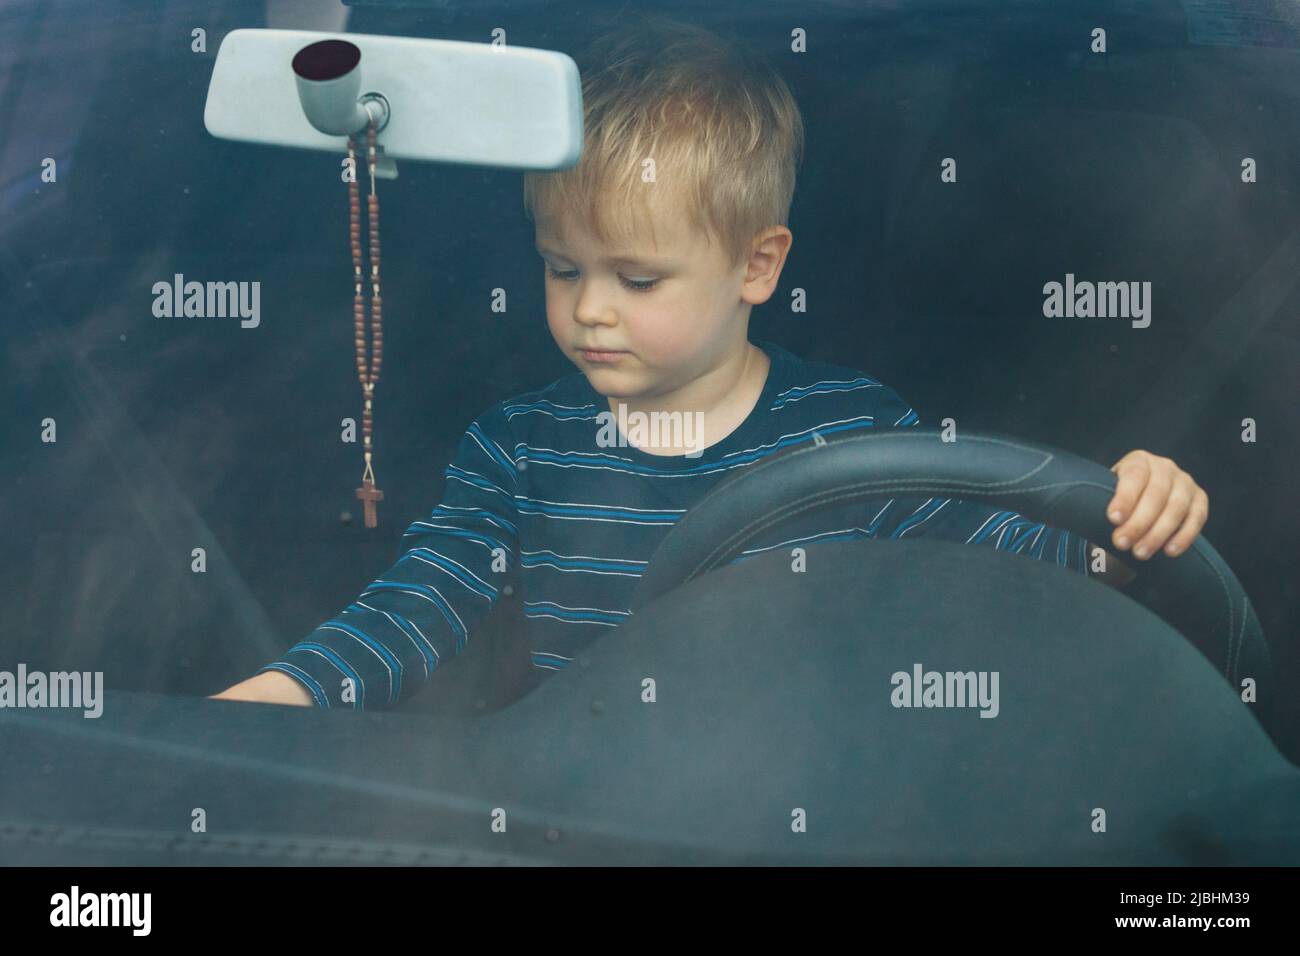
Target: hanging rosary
(367,372)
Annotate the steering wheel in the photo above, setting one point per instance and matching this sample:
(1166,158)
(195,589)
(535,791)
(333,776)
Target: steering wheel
(1196,593)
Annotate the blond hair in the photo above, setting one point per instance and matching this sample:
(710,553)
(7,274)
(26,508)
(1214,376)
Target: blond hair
(719,123)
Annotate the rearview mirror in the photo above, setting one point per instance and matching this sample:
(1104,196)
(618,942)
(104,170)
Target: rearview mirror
(433,100)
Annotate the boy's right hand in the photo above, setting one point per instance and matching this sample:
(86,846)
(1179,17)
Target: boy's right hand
(268,687)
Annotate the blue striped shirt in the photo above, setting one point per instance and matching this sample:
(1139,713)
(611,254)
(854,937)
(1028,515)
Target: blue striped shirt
(534,500)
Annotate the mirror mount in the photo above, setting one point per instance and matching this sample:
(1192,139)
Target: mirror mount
(328,77)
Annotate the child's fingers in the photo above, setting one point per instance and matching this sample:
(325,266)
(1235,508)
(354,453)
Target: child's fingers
(1197,515)
(1149,507)
(1133,471)
(1170,519)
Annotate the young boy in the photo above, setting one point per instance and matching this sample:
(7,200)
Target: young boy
(656,246)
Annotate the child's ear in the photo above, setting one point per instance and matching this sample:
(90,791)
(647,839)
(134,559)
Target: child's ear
(766,260)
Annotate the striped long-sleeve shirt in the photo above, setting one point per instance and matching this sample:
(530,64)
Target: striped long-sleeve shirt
(537,499)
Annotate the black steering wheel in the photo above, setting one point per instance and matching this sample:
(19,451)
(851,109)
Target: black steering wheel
(1196,593)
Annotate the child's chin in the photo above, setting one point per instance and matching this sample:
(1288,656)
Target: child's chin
(609,385)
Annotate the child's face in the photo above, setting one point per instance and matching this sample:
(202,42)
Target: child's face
(673,313)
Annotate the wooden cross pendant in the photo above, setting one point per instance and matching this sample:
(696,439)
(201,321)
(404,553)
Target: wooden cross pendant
(370,494)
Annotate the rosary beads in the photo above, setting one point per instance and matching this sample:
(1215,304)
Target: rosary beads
(367,372)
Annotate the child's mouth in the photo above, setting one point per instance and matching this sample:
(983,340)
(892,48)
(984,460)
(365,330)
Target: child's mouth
(600,356)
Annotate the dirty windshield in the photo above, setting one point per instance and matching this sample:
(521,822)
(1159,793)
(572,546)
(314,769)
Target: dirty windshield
(572,433)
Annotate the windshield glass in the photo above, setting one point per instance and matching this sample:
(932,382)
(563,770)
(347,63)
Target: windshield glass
(1068,225)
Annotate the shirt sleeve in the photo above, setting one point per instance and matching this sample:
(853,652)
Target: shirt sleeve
(970,522)
(384,645)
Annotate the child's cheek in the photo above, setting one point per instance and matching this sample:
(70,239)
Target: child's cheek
(555,321)
(667,338)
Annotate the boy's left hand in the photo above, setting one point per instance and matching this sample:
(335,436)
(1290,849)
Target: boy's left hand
(1156,505)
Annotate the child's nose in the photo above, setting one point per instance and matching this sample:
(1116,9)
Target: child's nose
(592,309)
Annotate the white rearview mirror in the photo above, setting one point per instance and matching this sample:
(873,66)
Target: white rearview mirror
(441,101)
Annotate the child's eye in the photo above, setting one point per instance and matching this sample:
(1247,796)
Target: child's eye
(637,285)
